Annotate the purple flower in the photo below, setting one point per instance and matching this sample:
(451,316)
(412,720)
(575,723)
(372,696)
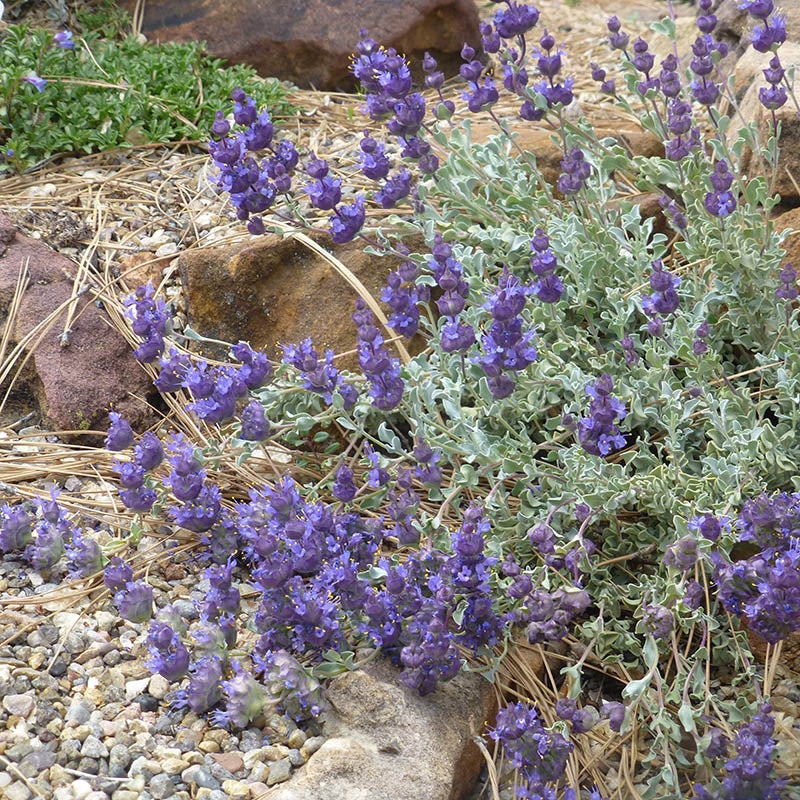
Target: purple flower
(750,773)
(135,601)
(788,289)
(682,554)
(347,220)
(140,500)
(539,756)
(35,81)
(168,654)
(117,574)
(515,20)
(597,432)
(576,172)
(63,39)
(664,299)
(120,433)
(201,513)
(344,488)
(760,9)
(617,39)
(768,36)
(255,426)
(324,193)
(15,528)
(374,162)
(657,620)
(131,474)
(383,371)
(205,686)
(148,453)
(84,556)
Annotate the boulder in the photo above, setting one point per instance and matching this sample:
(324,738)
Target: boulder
(385,742)
(275,291)
(76,378)
(309,42)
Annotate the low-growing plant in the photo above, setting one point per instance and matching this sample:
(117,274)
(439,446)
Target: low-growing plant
(61,94)
(597,443)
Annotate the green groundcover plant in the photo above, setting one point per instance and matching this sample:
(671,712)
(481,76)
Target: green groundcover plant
(61,94)
(597,442)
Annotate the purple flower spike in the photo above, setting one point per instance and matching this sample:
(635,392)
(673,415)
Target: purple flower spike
(64,40)
(347,220)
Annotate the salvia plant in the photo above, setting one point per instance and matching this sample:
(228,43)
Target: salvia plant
(596,443)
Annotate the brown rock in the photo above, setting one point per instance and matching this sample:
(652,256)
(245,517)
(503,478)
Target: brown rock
(309,42)
(385,742)
(139,269)
(275,291)
(790,220)
(77,378)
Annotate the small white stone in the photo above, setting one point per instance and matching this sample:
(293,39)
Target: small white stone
(80,789)
(167,249)
(135,688)
(158,686)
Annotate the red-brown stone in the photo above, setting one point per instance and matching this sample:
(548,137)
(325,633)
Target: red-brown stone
(76,380)
(309,42)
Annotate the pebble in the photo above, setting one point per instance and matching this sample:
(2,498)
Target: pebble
(236,790)
(158,686)
(20,705)
(311,746)
(231,761)
(174,766)
(200,777)
(207,746)
(94,748)
(296,739)
(80,789)
(134,688)
(161,786)
(279,771)
(17,791)
(79,710)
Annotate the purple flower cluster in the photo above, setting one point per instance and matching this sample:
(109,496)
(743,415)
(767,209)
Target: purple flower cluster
(548,286)
(788,291)
(664,299)
(456,336)
(770,34)
(750,773)
(252,185)
(383,372)
(385,76)
(765,588)
(297,692)
(576,172)
(482,89)
(403,297)
(319,377)
(306,558)
(598,433)
(506,350)
(720,202)
(548,615)
(774,96)
(538,755)
(199,503)
(149,318)
(148,453)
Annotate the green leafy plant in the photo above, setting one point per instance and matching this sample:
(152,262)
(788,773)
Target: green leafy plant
(106,93)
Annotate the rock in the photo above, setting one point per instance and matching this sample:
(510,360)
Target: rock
(75,382)
(785,180)
(310,42)
(200,777)
(279,771)
(790,221)
(274,291)
(20,705)
(231,761)
(17,791)
(161,786)
(79,711)
(93,748)
(385,742)
(548,152)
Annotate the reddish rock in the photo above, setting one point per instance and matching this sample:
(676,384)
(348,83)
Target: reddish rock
(309,42)
(78,381)
(275,291)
